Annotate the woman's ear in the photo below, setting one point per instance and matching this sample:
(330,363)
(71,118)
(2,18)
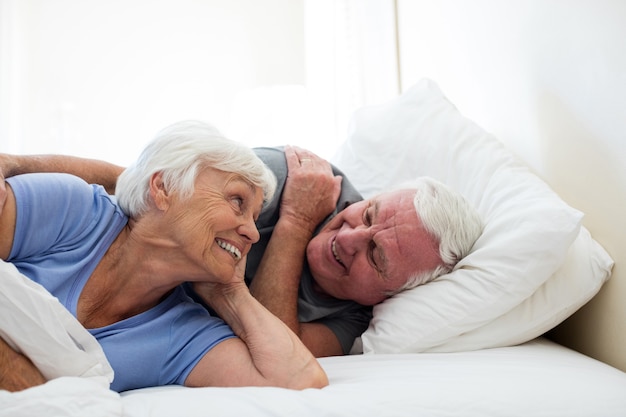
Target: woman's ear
(158,192)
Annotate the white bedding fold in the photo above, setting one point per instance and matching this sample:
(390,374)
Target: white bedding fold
(36,324)
(63,397)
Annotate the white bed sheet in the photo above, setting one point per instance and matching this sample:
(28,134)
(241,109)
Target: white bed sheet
(539,378)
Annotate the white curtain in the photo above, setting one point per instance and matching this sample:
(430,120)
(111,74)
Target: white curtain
(351,60)
(351,51)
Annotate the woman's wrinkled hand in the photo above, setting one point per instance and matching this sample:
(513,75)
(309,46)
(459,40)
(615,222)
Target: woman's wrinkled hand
(209,291)
(311,189)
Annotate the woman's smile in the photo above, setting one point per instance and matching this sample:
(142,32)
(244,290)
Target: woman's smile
(233,250)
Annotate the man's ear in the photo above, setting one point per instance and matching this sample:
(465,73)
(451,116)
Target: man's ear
(158,191)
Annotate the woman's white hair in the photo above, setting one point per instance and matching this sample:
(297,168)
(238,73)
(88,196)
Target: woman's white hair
(450,219)
(180,152)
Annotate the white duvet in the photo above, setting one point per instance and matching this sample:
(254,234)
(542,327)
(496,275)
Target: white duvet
(36,324)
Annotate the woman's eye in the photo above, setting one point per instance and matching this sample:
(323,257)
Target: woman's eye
(237,202)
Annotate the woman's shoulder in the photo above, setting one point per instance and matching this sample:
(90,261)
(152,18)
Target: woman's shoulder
(58,191)
(60,209)
(48,183)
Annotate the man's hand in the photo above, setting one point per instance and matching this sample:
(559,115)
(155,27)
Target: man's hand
(311,189)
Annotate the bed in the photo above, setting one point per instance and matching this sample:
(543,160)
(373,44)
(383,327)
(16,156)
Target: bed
(517,327)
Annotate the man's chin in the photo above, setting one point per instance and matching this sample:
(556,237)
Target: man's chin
(319,290)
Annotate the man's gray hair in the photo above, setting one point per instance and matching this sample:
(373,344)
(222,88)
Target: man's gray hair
(450,219)
(180,152)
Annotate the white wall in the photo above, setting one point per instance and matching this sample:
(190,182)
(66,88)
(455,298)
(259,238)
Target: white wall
(547,77)
(99,78)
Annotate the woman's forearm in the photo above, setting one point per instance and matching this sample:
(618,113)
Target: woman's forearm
(277,353)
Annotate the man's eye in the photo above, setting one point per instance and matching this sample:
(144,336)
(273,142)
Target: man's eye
(370,254)
(367,221)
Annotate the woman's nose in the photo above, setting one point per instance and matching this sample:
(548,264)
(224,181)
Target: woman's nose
(249,230)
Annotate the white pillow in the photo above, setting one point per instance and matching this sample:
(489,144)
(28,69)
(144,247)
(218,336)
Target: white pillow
(586,268)
(528,228)
(37,325)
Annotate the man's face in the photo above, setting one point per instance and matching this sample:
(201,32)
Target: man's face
(371,248)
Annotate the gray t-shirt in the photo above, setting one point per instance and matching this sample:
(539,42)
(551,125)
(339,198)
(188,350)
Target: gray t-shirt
(347,319)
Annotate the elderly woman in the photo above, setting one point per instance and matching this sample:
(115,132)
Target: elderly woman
(184,212)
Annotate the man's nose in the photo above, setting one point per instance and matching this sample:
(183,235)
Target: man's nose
(353,239)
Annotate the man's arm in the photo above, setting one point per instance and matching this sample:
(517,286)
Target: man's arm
(17,372)
(267,352)
(310,194)
(92,171)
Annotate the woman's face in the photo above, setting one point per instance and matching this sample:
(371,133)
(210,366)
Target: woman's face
(215,228)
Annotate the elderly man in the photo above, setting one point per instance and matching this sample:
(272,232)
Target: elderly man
(321,272)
